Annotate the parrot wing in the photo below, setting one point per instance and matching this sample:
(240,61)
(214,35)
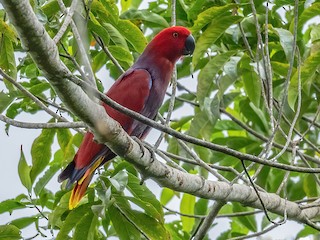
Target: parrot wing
(131,90)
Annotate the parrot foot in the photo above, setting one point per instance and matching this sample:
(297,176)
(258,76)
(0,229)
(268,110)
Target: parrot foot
(144,146)
(147,146)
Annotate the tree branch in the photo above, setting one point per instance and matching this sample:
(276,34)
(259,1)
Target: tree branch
(29,125)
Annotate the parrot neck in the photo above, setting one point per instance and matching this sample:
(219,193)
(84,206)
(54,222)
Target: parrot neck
(158,66)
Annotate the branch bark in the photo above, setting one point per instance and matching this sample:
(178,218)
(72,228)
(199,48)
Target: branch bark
(45,54)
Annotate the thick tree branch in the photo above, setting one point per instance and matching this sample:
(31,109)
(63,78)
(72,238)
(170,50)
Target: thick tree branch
(44,52)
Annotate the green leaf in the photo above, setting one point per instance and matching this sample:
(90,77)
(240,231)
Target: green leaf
(121,54)
(10,205)
(125,4)
(95,26)
(201,206)
(166,195)
(149,209)
(250,79)
(201,125)
(306,232)
(99,60)
(187,207)
(253,114)
(24,171)
(234,142)
(119,181)
(247,221)
(86,228)
(176,231)
(261,115)
(43,181)
(306,15)
(23,222)
(32,71)
(308,69)
(207,74)
(41,152)
(116,36)
(5,29)
(195,10)
(211,108)
(227,125)
(146,16)
(64,136)
(39,88)
(7,60)
(133,34)
(208,15)
(280,68)
(152,227)
(143,193)
(310,186)
(5,100)
(106,10)
(125,230)
(9,232)
(237,229)
(211,34)
(52,7)
(286,41)
(61,208)
(73,218)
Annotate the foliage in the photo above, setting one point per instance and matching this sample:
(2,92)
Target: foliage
(233,76)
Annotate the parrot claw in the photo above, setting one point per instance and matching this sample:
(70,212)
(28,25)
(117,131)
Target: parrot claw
(142,179)
(147,146)
(144,146)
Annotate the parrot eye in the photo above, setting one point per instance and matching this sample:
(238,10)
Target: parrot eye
(175,34)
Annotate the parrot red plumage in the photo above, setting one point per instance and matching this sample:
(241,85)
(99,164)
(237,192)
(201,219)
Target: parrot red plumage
(141,88)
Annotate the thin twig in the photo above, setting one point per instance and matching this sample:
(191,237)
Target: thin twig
(66,22)
(75,63)
(183,214)
(29,125)
(173,81)
(205,225)
(83,52)
(36,207)
(32,97)
(106,50)
(297,111)
(130,221)
(306,140)
(268,68)
(258,195)
(312,123)
(259,51)
(165,157)
(287,81)
(268,229)
(198,160)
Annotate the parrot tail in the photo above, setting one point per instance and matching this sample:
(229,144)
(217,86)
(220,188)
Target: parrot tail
(82,184)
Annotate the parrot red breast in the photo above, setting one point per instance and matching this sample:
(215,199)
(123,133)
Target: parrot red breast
(141,88)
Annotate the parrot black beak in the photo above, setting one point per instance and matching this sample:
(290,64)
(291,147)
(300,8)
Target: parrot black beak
(189,45)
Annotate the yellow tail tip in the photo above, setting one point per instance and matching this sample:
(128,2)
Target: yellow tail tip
(79,190)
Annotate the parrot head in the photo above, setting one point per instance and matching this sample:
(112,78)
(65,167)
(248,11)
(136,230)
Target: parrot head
(172,43)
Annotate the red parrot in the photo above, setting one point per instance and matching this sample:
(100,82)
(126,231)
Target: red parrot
(141,88)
